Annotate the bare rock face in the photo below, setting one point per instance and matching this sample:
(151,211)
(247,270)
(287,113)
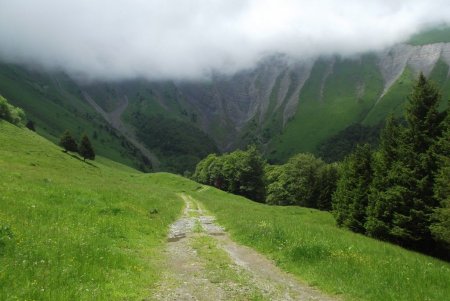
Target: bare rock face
(392,62)
(302,72)
(271,91)
(276,83)
(445,54)
(424,58)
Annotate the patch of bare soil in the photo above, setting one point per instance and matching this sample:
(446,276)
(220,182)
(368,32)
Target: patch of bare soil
(240,273)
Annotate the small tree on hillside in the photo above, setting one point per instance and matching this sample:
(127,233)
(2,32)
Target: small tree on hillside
(67,142)
(30,125)
(86,150)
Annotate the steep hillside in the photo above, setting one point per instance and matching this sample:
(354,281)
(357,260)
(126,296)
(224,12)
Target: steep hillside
(287,106)
(74,230)
(53,102)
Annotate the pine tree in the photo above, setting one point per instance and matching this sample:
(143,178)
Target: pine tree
(351,196)
(68,142)
(401,199)
(423,130)
(441,222)
(86,150)
(385,188)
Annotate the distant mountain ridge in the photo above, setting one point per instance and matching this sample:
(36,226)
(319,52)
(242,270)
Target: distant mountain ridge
(286,106)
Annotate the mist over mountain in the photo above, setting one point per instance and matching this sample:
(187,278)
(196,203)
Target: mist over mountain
(192,40)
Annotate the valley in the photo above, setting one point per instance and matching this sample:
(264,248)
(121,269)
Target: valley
(99,230)
(284,105)
(225,150)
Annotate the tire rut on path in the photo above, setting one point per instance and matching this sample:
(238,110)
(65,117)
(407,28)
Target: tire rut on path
(191,274)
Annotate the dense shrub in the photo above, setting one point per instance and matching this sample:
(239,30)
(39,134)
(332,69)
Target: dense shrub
(10,113)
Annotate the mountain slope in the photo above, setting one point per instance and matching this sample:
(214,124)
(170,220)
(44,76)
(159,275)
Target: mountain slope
(74,230)
(287,106)
(96,231)
(53,102)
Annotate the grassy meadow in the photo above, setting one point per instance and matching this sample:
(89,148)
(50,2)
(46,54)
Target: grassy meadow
(307,243)
(74,230)
(329,102)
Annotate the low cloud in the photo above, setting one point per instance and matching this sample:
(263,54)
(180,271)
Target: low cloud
(181,39)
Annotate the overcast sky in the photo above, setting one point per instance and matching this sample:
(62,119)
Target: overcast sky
(189,39)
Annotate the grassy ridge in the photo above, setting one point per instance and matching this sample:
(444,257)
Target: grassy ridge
(307,243)
(330,101)
(79,231)
(55,104)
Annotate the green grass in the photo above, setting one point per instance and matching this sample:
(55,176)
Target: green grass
(307,243)
(55,104)
(393,101)
(80,231)
(220,269)
(322,115)
(85,231)
(436,35)
(440,77)
(396,97)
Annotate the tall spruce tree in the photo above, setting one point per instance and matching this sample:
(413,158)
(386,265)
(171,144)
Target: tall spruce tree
(351,196)
(86,150)
(441,217)
(401,198)
(386,191)
(423,130)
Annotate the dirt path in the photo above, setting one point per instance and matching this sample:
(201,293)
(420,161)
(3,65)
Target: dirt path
(203,263)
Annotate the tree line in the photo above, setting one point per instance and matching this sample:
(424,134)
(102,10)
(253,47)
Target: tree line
(304,180)
(399,192)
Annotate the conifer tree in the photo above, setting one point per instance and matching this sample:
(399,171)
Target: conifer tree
(86,150)
(401,199)
(423,130)
(68,142)
(441,217)
(385,188)
(351,195)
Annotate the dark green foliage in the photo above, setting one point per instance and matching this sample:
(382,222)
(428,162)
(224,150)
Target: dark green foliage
(389,190)
(402,197)
(409,190)
(441,217)
(86,150)
(351,196)
(296,182)
(203,172)
(337,147)
(30,125)
(239,172)
(180,142)
(68,142)
(277,190)
(326,186)
(11,113)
